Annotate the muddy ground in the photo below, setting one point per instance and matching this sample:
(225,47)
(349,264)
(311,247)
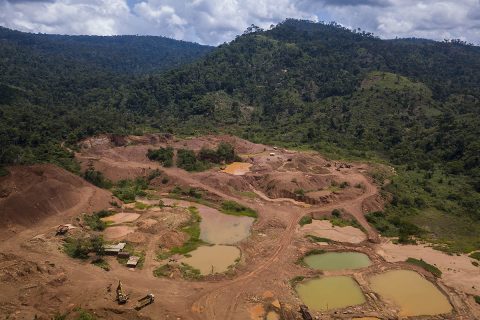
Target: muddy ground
(39,279)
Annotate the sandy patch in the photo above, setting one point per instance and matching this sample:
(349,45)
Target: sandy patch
(122,217)
(237,168)
(113,233)
(324,229)
(457,271)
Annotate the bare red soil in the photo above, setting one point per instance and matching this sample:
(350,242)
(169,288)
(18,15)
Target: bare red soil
(39,279)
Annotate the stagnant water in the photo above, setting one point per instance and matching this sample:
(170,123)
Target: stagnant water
(330,293)
(337,261)
(219,228)
(237,168)
(214,259)
(411,292)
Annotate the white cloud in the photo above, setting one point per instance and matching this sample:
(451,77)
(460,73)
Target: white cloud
(217,21)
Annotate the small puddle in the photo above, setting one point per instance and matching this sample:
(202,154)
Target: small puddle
(330,293)
(415,295)
(337,261)
(214,259)
(237,168)
(220,228)
(122,217)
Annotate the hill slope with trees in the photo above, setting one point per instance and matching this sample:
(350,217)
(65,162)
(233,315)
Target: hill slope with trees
(409,102)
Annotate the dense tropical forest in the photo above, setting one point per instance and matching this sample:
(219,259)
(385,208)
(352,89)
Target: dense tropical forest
(411,103)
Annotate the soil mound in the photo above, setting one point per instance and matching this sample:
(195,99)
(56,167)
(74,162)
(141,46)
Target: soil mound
(290,184)
(32,193)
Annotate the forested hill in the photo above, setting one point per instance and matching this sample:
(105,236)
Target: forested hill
(414,101)
(410,102)
(47,65)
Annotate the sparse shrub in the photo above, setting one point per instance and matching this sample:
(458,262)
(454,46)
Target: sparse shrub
(162,271)
(305,220)
(154,174)
(299,192)
(477,299)
(162,155)
(475,255)
(96,178)
(314,251)
(236,209)
(165,180)
(80,248)
(344,184)
(336,213)
(128,190)
(94,220)
(295,280)
(189,272)
(187,160)
(101,263)
(430,268)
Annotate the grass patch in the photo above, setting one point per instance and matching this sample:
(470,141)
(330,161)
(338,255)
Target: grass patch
(430,268)
(314,251)
(318,239)
(162,155)
(305,220)
(95,222)
(475,255)
(189,272)
(84,315)
(101,263)
(235,209)
(128,190)
(141,206)
(443,206)
(337,221)
(296,280)
(162,271)
(192,228)
(80,248)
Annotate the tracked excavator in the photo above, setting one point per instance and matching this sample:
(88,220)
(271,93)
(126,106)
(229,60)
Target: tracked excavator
(122,298)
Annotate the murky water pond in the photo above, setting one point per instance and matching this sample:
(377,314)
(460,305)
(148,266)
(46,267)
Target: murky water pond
(237,168)
(214,259)
(330,293)
(337,261)
(219,228)
(411,292)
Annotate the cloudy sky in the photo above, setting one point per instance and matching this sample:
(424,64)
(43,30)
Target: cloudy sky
(217,21)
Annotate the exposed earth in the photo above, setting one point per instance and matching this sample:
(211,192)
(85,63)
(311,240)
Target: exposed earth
(40,280)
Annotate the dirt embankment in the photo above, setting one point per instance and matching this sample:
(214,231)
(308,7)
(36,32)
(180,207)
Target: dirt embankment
(30,194)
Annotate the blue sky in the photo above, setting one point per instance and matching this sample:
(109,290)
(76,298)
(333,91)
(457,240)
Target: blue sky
(216,21)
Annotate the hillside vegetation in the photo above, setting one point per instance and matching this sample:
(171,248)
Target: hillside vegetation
(409,102)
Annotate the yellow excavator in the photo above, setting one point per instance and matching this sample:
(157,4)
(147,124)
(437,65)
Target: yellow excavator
(122,298)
